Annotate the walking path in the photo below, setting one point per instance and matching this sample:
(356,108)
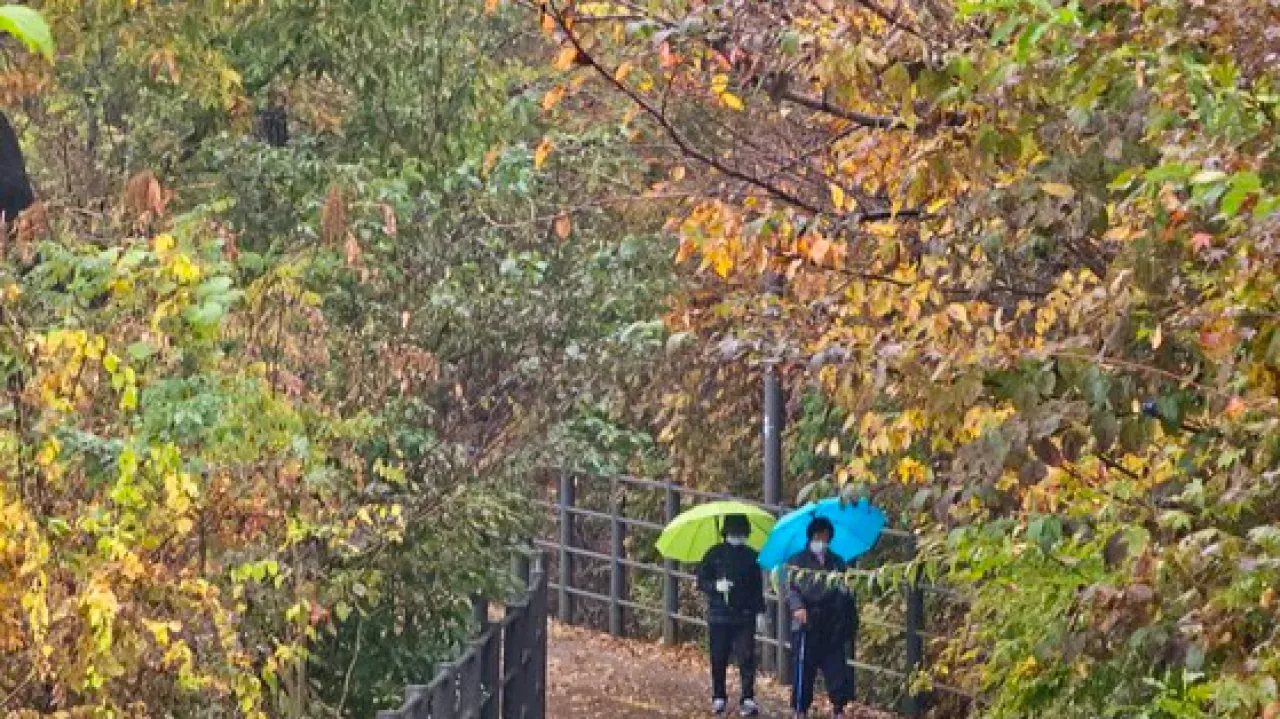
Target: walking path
(595,676)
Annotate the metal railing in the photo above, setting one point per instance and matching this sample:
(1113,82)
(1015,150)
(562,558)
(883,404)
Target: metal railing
(502,672)
(775,641)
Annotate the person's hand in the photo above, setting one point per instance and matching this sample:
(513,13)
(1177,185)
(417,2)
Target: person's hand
(723,586)
(801,616)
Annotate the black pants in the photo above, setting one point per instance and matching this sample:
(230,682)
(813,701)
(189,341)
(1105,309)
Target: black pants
(728,640)
(822,651)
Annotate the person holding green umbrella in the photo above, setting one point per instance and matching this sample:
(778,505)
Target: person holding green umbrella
(731,579)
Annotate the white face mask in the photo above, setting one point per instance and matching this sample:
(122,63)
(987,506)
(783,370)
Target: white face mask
(818,547)
(736,541)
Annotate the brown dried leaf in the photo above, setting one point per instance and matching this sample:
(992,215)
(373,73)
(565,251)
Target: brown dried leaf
(353,251)
(333,217)
(563,226)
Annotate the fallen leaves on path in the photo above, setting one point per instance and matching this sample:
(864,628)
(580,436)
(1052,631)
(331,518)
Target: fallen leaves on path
(592,675)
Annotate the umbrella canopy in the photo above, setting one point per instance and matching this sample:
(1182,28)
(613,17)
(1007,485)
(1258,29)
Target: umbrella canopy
(688,537)
(857,529)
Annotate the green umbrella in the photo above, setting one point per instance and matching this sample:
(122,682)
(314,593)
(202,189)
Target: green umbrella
(688,537)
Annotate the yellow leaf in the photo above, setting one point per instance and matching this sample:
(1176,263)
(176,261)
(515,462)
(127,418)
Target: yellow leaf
(731,101)
(677,173)
(540,155)
(564,60)
(1058,189)
(563,226)
(553,97)
(720,84)
(837,196)
(623,70)
(490,6)
(722,264)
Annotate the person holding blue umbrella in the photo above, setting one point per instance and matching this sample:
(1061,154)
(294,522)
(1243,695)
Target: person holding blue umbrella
(822,616)
(817,541)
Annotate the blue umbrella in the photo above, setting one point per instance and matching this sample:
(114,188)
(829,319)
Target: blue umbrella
(857,529)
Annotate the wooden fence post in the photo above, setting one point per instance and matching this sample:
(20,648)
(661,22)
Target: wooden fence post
(670,583)
(564,602)
(617,570)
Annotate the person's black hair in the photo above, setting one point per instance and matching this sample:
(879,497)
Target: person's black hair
(819,524)
(736,524)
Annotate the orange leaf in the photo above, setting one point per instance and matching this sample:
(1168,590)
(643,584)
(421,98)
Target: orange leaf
(1235,407)
(491,158)
(563,225)
(666,57)
(623,70)
(818,250)
(490,6)
(540,155)
(565,58)
(553,97)
(685,251)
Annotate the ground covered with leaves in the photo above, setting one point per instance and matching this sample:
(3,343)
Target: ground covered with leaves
(594,675)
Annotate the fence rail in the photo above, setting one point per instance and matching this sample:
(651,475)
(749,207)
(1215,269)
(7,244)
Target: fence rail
(568,512)
(502,672)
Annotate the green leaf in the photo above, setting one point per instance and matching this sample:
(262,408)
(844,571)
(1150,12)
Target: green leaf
(28,26)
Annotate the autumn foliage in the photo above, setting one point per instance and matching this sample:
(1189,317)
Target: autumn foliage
(1029,253)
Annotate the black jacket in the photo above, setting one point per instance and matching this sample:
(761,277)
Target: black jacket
(746,597)
(828,602)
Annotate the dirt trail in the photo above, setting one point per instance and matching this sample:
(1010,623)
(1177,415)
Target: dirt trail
(594,676)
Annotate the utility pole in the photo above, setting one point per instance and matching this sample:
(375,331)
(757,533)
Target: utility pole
(773,426)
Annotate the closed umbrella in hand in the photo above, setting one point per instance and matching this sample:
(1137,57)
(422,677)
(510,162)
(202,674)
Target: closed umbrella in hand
(688,537)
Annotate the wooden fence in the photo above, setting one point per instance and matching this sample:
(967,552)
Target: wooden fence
(774,641)
(502,673)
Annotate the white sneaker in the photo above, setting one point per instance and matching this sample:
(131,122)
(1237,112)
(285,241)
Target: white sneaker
(719,706)
(749,708)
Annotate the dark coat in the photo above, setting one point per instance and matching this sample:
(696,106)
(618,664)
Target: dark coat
(738,565)
(829,604)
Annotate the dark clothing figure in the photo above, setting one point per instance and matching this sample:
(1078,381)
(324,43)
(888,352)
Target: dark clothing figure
(817,652)
(15,187)
(745,598)
(824,638)
(732,581)
(273,126)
